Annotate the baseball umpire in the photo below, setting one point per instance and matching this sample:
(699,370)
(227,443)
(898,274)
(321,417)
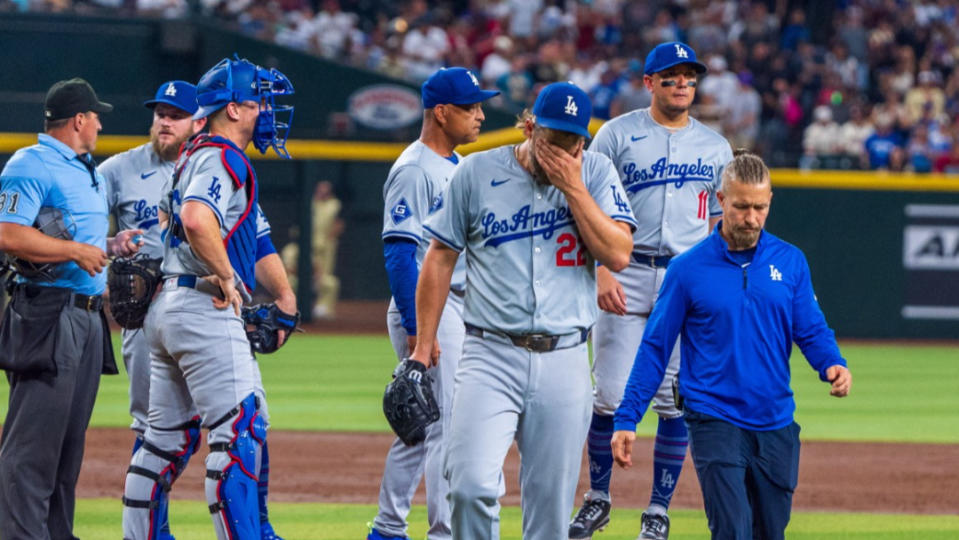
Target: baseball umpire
(670,167)
(741,298)
(533,219)
(54,339)
(201,358)
(452,115)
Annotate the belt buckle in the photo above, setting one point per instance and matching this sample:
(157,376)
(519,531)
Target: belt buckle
(652,261)
(90,303)
(539,342)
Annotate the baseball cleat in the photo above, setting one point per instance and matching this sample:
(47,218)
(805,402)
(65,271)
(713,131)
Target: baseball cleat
(654,527)
(592,517)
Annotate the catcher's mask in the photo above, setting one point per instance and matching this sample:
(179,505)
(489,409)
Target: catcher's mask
(239,80)
(54,222)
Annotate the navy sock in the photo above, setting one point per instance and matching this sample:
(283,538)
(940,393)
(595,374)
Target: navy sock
(668,455)
(600,452)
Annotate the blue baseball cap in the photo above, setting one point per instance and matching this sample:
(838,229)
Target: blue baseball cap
(179,94)
(667,55)
(564,107)
(456,86)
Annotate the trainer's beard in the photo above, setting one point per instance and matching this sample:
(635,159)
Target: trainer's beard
(740,239)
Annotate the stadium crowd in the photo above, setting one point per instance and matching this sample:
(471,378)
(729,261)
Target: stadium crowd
(873,87)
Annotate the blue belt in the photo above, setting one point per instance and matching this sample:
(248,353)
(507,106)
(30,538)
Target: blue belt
(654,261)
(533,342)
(195,282)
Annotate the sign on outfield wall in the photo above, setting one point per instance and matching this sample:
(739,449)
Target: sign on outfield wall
(384,106)
(930,257)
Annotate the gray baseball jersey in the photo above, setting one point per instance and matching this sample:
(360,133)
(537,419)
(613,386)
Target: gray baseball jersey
(671,178)
(521,243)
(135,182)
(203,179)
(527,271)
(413,191)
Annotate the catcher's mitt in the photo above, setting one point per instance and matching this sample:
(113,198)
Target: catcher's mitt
(132,282)
(263,323)
(408,402)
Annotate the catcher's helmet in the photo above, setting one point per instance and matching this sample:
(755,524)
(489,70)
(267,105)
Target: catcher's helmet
(240,80)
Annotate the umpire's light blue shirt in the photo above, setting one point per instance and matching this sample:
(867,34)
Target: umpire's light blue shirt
(50,173)
(738,324)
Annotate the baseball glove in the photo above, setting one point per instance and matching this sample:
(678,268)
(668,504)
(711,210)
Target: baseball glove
(263,325)
(132,282)
(408,402)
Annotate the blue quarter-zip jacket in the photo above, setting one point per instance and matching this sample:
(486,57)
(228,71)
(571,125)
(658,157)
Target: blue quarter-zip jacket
(738,324)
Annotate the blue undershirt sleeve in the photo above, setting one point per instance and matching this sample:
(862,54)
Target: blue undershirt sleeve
(264,246)
(401,269)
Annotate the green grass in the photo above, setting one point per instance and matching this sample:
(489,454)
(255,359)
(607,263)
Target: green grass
(900,393)
(98,519)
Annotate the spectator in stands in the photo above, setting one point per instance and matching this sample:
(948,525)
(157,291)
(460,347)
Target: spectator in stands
(632,95)
(852,138)
(884,147)
(719,83)
(424,47)
(919,153)
(603,94)
(821,141)
(497,63)
(741,125)
(516,86)
(794,32)
(927,94)
(948,163)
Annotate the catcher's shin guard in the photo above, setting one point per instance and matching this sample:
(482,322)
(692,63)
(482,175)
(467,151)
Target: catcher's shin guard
(231,481)
(153,470)
(263,491)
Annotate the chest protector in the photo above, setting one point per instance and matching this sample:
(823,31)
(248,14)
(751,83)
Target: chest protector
(240,241)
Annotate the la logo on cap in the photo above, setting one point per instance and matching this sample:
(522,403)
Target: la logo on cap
(170,90)
(571,108)
(473,78)
(681,52)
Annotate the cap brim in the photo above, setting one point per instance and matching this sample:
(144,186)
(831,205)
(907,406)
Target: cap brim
(102,107)
(476,97)
(698,66)
(207,110)
(152,103)
(561,125)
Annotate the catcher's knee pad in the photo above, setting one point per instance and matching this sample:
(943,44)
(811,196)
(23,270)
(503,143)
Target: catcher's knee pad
(155,466)
(231,480)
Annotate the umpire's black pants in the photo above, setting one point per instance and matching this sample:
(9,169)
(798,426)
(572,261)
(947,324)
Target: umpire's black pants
(747,477)
(45,427)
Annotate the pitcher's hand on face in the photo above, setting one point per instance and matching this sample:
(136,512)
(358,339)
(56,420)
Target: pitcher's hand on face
(841,379)
(609,292)
(564,169)
(622,445)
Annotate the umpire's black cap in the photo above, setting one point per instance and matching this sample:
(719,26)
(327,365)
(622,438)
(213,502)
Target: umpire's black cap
(67,98)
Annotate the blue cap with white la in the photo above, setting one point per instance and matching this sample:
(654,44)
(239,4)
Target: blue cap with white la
(667,55)
(179,94)
(456,86)
(564,107)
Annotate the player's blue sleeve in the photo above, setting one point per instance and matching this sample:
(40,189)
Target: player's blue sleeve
(809,329)
(649,367)
(400,255)
(264,246)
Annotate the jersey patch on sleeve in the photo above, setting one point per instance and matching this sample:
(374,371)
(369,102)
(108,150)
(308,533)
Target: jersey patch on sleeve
(437,203)
(401,212)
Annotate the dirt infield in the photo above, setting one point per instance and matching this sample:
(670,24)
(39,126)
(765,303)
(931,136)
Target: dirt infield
(346,468)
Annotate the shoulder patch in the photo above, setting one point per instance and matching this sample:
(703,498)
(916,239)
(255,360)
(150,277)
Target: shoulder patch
(437,203)
(401,212)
